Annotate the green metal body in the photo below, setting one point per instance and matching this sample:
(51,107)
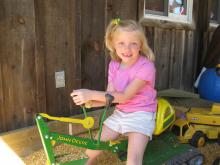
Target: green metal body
(162,149)
(47,138)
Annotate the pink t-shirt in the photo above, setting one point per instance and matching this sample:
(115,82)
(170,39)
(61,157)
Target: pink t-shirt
(145,99)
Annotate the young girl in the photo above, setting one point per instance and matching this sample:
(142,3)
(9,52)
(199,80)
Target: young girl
(131,79)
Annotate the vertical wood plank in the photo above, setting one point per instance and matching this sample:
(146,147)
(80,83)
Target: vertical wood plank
(2,45)
(177,54)
(141,8)
(2,112)
(93,55)
(149,31)
(18,76)
(162,42)
(189,63)
(39,61)
(74,60)
(202,28)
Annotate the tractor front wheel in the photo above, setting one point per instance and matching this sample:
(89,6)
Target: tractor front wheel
(198,139)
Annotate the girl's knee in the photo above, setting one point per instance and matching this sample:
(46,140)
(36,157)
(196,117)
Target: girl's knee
(93,153)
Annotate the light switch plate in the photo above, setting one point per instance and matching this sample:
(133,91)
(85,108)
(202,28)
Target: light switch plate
(60,79)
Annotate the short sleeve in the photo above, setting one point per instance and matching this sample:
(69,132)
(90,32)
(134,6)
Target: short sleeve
(111,70)
(146,72)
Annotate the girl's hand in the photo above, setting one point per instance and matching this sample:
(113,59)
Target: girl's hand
(81,96)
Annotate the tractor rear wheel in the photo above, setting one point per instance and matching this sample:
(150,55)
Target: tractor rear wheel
(198,139)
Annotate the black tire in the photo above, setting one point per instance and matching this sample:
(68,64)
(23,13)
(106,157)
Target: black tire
(196,160)
(189,157)
(198,139)
(122,155)
(216,161)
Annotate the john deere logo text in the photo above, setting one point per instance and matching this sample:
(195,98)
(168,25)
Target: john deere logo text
(72,140)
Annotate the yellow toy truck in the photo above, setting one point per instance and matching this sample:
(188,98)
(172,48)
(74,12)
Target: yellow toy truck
(200,123)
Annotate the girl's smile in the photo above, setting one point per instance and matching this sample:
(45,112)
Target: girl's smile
(127,46)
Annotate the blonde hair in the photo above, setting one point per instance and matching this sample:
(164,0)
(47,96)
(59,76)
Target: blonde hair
(128,25)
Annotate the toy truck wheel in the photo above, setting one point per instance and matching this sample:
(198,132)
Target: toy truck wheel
(198,139)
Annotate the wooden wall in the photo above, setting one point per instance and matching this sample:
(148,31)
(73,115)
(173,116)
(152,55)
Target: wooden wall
(41,37)
(175,57)
(38,38)
(92,47)
(17,63)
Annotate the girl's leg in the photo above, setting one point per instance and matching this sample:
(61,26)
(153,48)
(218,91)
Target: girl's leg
(107,134)
(137,143)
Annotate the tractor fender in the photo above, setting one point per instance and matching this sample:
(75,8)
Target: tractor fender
(165,116)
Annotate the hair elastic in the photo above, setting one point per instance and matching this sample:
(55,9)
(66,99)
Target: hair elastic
(116,21)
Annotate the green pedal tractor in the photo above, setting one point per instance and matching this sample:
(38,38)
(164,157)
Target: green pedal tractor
(163,149)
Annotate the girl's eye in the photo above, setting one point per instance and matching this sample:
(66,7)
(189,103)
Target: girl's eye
(134,45)
(120,44)
(131,45)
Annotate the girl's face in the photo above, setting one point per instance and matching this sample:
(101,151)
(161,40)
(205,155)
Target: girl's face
(127,45)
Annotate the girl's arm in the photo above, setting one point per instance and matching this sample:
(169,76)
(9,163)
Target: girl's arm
(94,103)
(81,96)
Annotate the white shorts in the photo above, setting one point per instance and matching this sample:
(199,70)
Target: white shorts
(140,122)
